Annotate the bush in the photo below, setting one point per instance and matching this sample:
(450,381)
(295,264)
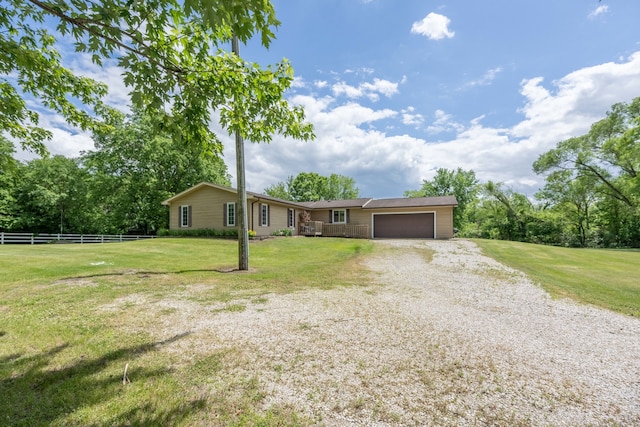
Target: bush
(198,232)
(283,232)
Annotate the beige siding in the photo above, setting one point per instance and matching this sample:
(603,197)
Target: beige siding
(278,218)
(207,211)
(207,208)
(359,216)
(444,223)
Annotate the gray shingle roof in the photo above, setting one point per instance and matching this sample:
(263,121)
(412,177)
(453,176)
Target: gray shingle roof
(411,202)
(333,204)
(365,202)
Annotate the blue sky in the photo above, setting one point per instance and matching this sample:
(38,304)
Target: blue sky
(396,89)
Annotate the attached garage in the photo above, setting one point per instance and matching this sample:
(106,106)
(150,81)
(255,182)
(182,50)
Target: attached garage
(404,225)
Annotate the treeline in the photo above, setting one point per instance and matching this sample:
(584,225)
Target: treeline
(116,188)
(591,196)
(311,186)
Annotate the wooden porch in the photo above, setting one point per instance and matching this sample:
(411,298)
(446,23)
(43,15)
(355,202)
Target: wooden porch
(319,228)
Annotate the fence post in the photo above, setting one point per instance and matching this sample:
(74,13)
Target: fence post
(121,237)
(102,238)
(2,238)
(32,237)
(81,238)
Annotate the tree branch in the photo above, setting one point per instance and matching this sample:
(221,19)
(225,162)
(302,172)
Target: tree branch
(82,24)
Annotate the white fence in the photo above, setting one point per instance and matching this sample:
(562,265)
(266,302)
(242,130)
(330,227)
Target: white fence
(33,238)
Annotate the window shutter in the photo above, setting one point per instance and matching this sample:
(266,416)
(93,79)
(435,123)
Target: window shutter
(346,216)
(189,219)
(225,214)
(330,216)
(235,212)
(268,216)
(179,216)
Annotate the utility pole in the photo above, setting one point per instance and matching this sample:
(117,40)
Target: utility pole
(243,230)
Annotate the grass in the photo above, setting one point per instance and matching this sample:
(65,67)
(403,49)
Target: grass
(603,277)
(62,358)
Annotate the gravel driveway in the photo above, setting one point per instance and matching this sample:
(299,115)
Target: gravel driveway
(440,335)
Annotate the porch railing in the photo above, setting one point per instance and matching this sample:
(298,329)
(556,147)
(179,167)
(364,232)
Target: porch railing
(311,228)
(318,228)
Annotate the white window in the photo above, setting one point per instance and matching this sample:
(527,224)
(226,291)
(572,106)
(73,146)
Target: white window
(291,219)
(185,220)
(264,215)
(230,214)
(339,216)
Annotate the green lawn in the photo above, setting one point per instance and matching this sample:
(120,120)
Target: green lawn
(62,356)
(604,277)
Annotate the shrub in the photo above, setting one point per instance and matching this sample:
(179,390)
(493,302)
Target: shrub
(282,232)
(198,232)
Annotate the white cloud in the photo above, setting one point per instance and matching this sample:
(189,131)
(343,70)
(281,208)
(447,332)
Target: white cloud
(384,87)
(108,73)
(443,123)
(350,140)
(371,90)
(578,99)
(486,79)
(598,11)
(434,26)
(341,88)
(411,118)
(298,83)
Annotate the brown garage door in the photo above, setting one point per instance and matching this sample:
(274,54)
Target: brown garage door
(402,226)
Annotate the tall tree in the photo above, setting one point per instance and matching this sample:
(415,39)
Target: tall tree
(134,170)
(607,160)
(311,186)
(8,174)
(502,213)
(340,187)
(176,63)
(308,186)
(609,152)
(459,183)
(51,197)
(280,189)
(575,198)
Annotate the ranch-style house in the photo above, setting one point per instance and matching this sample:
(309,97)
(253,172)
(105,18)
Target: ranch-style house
(213,206)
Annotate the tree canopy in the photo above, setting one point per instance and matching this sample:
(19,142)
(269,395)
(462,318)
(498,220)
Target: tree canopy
(175,60)
(459,183)
(594,179)
(134,170)
(609,154)
(311,186)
